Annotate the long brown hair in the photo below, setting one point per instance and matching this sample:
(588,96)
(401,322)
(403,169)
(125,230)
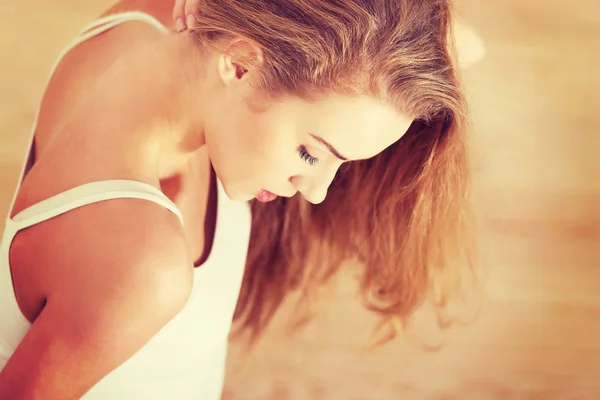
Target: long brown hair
(403,214)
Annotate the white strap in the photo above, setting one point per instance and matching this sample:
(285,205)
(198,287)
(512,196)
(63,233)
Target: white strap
(95,28)
(110,21)
(90,193)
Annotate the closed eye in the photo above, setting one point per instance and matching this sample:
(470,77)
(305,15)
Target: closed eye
(305,155)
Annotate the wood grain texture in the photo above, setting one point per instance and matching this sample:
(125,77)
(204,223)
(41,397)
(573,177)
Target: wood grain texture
(536,138)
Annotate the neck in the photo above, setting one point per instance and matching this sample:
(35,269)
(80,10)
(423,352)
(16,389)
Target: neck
(178,101)
(164,86)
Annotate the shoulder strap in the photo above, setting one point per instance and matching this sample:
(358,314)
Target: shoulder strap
(90,193)
(110,21)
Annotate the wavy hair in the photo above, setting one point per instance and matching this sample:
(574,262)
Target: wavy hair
(403,215)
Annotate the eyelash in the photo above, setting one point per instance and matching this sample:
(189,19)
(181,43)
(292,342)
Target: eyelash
(303,153)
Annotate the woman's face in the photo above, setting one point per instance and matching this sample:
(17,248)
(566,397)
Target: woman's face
(258,146)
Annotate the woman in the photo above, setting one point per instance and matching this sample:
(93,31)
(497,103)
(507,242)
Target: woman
(124,251)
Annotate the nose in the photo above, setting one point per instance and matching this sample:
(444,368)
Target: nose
(314,189)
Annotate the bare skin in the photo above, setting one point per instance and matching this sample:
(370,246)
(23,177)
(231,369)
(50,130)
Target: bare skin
(104,116)
(129,253)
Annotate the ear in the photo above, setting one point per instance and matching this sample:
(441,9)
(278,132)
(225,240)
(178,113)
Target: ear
(239,61)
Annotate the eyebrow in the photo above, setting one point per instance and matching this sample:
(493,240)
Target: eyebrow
(330,147)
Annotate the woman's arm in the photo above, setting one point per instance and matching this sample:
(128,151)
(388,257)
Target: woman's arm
(114,290)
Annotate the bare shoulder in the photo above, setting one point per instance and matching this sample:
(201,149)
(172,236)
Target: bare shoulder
(120,249)
(113,274)
(117,265)
(111,247)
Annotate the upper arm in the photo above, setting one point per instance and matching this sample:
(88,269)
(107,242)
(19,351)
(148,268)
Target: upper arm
(105,303)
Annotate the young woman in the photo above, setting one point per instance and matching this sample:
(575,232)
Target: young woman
(124,252)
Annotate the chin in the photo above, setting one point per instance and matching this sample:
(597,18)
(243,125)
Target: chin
(243,198)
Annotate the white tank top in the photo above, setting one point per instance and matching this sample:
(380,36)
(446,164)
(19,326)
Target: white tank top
(185,359)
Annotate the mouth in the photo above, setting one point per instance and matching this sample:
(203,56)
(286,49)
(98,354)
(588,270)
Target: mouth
(264,196)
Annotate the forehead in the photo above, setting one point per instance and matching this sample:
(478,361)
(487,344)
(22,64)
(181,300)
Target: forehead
(359,127)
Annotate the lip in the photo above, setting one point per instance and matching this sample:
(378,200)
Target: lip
(264,196)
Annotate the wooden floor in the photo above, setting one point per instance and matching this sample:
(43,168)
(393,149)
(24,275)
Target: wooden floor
(536,117)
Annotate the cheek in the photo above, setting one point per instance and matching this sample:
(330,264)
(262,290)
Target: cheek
(252,149)
(248,148)
(276,143)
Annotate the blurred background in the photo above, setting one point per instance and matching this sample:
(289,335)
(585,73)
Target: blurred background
(536,139)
